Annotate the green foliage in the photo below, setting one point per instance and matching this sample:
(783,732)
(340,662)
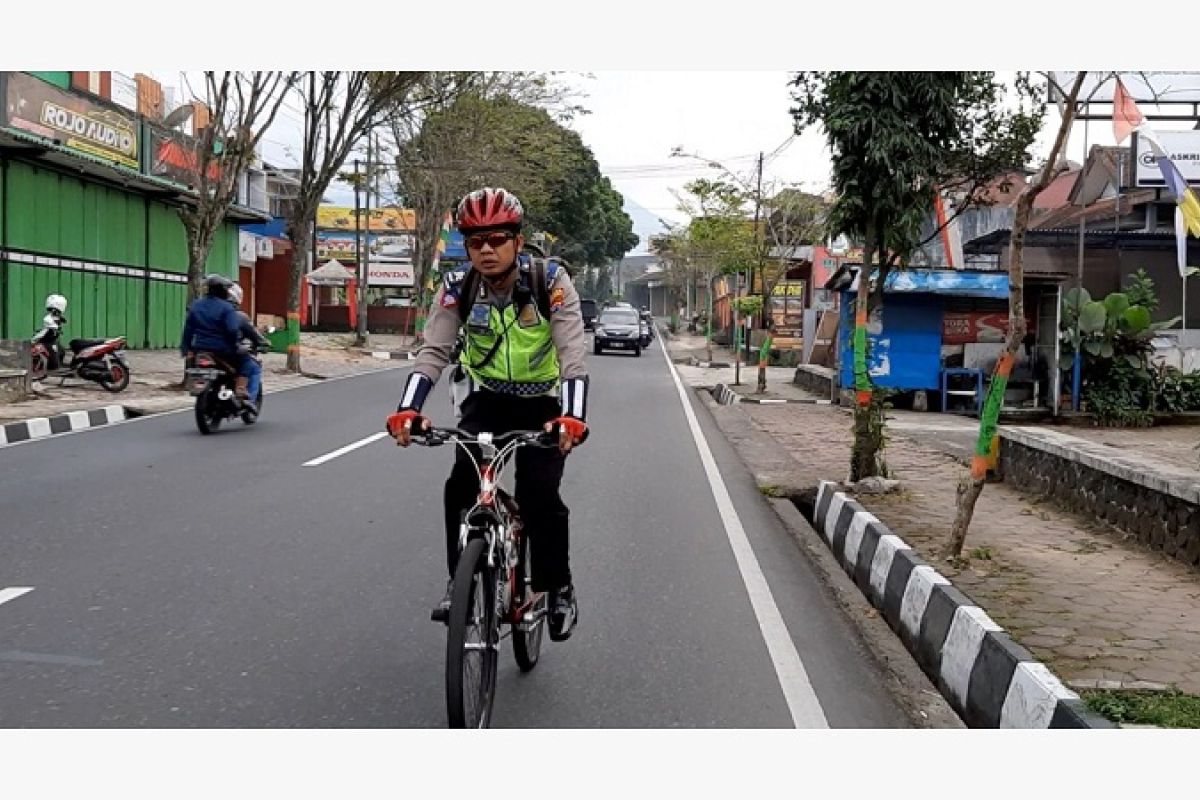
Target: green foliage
(898,137)
(749,305)
(1119,384)
(720,235)
(483,139)
(1140,291)
(1172,391)
(1167,709)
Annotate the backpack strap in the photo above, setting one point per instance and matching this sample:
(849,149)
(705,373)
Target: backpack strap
(541,275)
(538,274)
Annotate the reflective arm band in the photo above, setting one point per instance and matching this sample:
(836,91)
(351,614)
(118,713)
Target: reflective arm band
(574,397)
(416,389)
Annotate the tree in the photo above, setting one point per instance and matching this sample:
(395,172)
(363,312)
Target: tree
(789,218)
(508,132)
(339,108)
(719,238)
(445,141)
(897,139)
(970,487)
(240,107)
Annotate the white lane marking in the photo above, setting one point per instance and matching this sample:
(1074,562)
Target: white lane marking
(13,592)
(802,701)
(341,451)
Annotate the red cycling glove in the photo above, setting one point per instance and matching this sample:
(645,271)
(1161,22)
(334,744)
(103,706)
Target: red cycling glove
(396,421)
(577,428)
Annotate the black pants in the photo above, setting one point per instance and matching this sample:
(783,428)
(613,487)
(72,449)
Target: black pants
(539,473)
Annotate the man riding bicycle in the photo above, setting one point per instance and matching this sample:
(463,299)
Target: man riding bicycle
(521,365)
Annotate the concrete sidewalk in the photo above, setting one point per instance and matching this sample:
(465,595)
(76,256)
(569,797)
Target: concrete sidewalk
(1096,607)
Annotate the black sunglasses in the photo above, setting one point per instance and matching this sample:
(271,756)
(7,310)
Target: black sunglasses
(495,240)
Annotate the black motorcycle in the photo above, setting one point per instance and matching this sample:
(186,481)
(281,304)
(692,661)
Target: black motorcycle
(647,328)
(212,381)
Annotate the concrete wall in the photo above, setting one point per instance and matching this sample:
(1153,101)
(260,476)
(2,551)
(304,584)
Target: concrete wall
(1159,508)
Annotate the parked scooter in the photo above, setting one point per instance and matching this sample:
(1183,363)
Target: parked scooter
(99,360)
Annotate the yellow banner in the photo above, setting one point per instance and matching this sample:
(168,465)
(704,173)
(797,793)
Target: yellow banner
(341,218)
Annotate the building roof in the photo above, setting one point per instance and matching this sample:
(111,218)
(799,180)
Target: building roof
(1097,211)
(1058,192)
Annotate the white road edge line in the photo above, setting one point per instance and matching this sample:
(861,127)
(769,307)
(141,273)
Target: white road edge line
(802,700)
(13,592)
(341,451)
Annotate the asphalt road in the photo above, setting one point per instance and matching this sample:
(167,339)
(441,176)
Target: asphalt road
(188,581)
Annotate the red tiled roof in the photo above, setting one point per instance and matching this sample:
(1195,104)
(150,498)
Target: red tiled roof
(1055,195)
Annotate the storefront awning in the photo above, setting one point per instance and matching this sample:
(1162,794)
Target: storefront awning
(946,282)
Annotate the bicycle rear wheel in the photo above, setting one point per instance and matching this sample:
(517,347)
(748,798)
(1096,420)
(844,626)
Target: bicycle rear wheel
(527,636)
(473,641)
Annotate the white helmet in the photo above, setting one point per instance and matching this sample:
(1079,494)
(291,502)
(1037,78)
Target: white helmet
(56,302)
(235,294)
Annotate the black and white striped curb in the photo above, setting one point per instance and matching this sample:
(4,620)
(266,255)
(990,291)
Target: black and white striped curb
(771,401)
(987,677)
(724,395)
(727,397)
(41,427)
(389,355)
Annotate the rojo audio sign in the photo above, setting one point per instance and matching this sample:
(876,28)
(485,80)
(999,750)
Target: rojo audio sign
(38,107)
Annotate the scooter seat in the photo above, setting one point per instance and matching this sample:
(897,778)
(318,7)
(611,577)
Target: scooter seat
(82,344)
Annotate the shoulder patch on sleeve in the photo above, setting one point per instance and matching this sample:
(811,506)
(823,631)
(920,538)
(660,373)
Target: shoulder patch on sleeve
(556,299)
(451,283)
(552,267)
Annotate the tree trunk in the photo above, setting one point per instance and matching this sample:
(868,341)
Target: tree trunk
(300,247)
(987,445)
(866,451)
(199,233)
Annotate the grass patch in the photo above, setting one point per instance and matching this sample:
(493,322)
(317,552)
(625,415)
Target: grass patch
(771,490)
(1169,709)
(983,553)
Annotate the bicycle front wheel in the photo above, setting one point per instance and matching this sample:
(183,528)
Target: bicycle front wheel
(473,640)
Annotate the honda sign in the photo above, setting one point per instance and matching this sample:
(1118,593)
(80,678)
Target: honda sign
(399,273)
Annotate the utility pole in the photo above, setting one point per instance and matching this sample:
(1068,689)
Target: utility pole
(364,268)
(737,286)
(759,248)
(357,226)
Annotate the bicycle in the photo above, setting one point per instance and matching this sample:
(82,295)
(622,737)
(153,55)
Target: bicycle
(493,582)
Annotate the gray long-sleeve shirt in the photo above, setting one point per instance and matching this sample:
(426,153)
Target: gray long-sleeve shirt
(566,328)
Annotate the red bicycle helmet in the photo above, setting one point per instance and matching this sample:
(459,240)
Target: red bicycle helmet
(489,208)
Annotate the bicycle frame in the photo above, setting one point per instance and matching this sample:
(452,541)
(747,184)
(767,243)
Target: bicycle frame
(494,514)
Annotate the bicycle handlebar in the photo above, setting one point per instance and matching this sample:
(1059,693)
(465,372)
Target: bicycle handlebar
(433,437)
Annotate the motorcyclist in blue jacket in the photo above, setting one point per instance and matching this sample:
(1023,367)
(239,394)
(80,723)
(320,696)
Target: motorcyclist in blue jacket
(214,326)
